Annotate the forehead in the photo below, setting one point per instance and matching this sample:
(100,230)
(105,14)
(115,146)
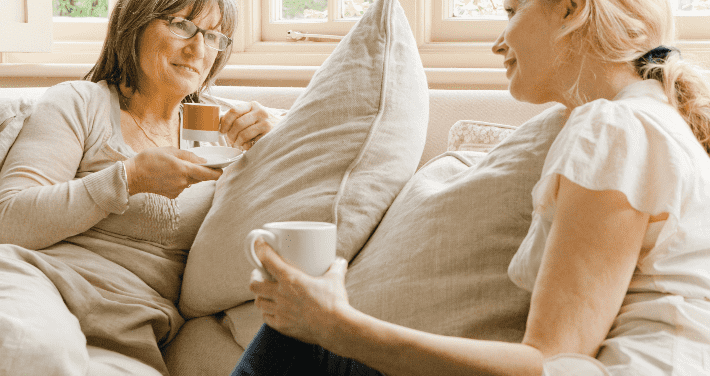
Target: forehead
(208,14)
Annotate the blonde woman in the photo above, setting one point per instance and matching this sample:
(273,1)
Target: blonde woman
(618,253)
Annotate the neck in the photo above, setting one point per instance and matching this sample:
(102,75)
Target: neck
(602,81)
(158,111)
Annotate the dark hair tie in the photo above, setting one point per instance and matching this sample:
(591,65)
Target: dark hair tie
(657,55)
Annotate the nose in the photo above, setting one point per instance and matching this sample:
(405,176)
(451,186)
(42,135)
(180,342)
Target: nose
(499,46)
(196,45)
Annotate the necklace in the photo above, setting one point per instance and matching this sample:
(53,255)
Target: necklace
(130,113)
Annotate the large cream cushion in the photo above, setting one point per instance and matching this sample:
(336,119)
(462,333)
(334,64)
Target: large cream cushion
(342,154)
(438,260)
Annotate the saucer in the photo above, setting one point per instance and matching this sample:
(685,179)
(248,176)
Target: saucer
(216,156)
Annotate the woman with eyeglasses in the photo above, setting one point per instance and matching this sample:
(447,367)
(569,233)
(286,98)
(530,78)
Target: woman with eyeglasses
(97,211)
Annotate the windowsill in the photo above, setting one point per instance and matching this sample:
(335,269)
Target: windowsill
(255,75)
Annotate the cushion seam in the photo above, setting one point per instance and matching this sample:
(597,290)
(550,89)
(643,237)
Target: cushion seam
(376,122)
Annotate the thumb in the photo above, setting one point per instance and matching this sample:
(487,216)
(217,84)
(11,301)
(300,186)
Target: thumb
(189,156)
(338,268)
(272,262)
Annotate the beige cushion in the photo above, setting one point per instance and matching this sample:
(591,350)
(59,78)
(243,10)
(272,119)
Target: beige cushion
(472,135)
(342,154)
(438,260)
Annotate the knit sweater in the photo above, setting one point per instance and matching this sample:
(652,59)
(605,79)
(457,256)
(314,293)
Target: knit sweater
(64,206)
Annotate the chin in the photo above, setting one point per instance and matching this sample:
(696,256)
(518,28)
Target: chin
(529,95)
(185,89)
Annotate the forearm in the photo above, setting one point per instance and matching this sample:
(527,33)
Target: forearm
(39,216)
(396,350)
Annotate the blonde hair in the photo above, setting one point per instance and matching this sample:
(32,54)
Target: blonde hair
(623,31)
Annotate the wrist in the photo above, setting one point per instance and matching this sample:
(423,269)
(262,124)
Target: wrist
(129,169)
(340,329)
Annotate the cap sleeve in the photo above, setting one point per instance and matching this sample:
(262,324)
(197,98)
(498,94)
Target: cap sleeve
(616,146)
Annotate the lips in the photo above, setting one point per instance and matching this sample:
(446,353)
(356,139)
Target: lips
(509,63)
(187,68)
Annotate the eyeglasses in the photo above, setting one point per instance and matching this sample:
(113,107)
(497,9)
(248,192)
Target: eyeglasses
(186,29)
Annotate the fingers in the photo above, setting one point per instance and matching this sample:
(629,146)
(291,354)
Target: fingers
(273,263)
(262,287)
(246,123)
(202,173)
(230,117)
(188,156)
(338,268)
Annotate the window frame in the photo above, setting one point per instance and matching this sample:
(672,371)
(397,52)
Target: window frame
(455,62)
(31,34)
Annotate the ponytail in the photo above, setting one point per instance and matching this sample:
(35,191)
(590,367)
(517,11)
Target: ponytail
(685,87)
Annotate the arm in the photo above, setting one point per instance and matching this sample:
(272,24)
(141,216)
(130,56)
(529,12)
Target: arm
(588,262)
(590,256)
(44,201)
(40,201)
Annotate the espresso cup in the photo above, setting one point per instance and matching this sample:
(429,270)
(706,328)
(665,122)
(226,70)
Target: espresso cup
(200,122)
(309,246)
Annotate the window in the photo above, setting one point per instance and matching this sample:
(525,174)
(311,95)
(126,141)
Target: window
(80,20)
(484,20)
(80,8)
(309,16)
(26,21)
(454,38)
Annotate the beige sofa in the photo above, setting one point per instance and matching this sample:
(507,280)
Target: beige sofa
(211,345)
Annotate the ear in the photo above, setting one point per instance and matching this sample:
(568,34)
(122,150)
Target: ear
(570,8)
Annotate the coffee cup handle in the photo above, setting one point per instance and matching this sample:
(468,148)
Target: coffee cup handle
(250,252)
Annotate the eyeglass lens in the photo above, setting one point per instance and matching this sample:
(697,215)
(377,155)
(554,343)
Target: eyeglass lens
(187,29)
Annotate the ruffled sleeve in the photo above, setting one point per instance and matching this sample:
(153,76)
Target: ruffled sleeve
(617,146)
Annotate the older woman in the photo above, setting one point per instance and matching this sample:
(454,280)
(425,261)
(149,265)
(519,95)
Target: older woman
(617,254)
(99,201)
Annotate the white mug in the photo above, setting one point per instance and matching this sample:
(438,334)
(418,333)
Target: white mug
(309,246)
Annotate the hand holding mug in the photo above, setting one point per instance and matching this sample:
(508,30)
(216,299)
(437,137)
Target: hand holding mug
(309,246)
(245,123)
(295,303)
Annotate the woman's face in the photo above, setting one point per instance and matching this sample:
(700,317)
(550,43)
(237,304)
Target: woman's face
(172,64)
(528,48)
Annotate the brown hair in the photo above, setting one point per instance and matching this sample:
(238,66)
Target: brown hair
(622,31)
(119,61)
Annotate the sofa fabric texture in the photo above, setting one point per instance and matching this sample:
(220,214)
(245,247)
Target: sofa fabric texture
(344,151)
(438,260)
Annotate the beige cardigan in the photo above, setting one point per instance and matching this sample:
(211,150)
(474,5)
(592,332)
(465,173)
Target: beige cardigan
(116,260)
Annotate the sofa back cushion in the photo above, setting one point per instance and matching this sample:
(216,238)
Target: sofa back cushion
(438,260)
(342,154)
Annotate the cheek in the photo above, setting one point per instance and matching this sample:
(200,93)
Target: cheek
(210,61)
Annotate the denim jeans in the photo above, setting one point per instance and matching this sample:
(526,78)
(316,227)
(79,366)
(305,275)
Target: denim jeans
(272,354)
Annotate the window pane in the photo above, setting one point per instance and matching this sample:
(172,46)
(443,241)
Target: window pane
(690,7)
(354,8)
(477,8)
(80,8)
(303,9)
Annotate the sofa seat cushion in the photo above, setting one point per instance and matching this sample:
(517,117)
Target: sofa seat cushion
(346,148)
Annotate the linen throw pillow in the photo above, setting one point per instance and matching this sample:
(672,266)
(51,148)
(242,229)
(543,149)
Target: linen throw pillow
(346,148)
(438,260)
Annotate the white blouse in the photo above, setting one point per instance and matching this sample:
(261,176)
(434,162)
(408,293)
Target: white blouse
(639,145)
